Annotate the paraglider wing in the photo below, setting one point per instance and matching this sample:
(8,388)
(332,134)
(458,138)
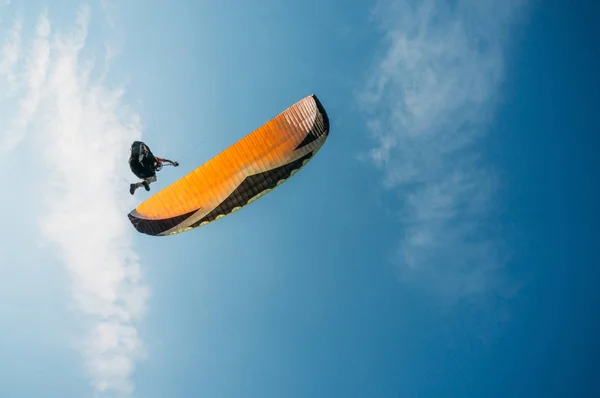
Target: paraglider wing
(239,175)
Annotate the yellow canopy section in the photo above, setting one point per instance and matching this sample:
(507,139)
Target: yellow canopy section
(240,174)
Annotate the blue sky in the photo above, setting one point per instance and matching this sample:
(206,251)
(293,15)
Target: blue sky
(442,243)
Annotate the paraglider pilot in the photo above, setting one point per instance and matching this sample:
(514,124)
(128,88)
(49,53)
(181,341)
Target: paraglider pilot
(145,165)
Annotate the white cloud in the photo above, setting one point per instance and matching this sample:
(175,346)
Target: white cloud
(85,131)
(429,99)
(110,9)
(10,52)
(36,68)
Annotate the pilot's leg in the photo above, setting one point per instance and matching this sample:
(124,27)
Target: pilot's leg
(148,181)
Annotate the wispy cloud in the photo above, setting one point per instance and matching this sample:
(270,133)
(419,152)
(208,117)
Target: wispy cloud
(10,52)
(110,9)
(429,99)
(85,130)
(36,68)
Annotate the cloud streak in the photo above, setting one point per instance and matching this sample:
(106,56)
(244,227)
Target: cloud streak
(35,75)
(429,99)
(10,52)
(83,127)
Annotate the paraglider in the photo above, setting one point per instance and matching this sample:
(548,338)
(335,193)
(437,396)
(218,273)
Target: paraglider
(144,165)
(239,175)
